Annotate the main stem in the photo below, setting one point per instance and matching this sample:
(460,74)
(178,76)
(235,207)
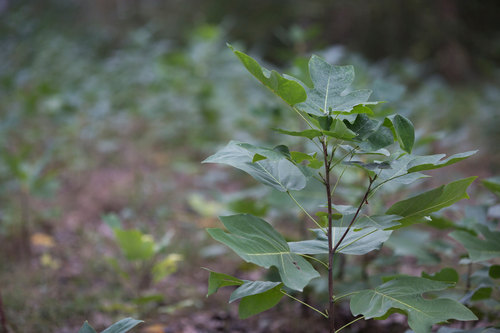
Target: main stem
(331,317)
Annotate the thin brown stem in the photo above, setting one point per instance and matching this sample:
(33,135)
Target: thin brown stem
(363,201)
(331,305)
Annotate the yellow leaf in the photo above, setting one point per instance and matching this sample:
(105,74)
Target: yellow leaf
(43,240)
(155,328)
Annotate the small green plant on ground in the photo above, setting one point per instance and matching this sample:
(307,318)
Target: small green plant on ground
(344,132)
(121,326)
(146,262)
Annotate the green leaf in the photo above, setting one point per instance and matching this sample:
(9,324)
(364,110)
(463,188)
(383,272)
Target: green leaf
(398,173)
(356,242)
(430,162)
(330,89)
(123,326)
(405,294)
(494,271)
(492,184)
(377,221)
(280,174)
(358,109)
(336,129)
(447,274)
(259,301)
(339,130)
(299,157)
(250,288)
(256,241)
(481,293)
(370,133)
(414,243)
(415,209)
(219,280)
(475,330)
(403,131)
(289,90)
(86,328)
(256,296)
(274,154)
(480,249)
(371,167)
(134,244)
(310,133)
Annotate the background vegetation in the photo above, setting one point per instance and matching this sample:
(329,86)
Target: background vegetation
(108,107)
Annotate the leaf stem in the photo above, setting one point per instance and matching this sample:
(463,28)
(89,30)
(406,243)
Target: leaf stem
(335,299)
(349,323)
(338,180)
(305,211)
(313,258)
(301,115)
(304,303)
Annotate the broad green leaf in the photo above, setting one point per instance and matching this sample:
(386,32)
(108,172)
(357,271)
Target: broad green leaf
(405,294)
(289,90)
(363,126)
(256,241)
(475,330)
(310,133)
(299,157)
(258,302)
(494,271)
(447,274)
(329,93)
(356,242)
(358,109)
(480,249)
(280,174)
(256,296)
(336,129)
(492,184)
(134,244)
(370,133)
(274,154)
(415,209)
(414,243)
(430,162)
(219,280)
(123,326)
(339,130)
(381,138)
(86,328)
(398,172)
(403,131)
(371,168)
(377,221)
(481,293)
(250,288)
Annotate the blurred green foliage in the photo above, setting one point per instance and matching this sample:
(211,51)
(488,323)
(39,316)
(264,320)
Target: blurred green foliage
(83,83)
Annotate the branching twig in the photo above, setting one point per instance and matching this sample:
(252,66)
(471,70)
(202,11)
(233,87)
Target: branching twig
(363,201)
